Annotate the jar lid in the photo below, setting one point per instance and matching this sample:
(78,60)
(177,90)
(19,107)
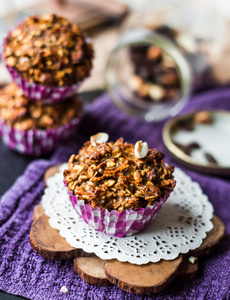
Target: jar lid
(147,75)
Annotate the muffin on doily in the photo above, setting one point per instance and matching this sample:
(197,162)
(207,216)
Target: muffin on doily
(48,57)
(118,188)
(32,128)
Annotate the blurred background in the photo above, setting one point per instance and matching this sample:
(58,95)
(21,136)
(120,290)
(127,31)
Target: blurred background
(104,21)
(150,74)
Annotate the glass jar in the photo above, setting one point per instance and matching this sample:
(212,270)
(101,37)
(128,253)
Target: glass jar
(162,55)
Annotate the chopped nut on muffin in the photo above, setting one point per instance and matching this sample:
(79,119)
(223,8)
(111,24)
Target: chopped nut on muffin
(49,50)
(109,175)
(21,113)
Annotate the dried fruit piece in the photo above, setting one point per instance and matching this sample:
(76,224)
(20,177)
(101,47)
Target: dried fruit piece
(187,148)
(135,82)
(156,92)
(210,158)
(187,125)
(153,53)
(169,79)
(156,77)
(203,117)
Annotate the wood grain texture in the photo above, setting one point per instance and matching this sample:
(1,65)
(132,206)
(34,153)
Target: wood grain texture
(46,241)
(51,172)
(91,269)
(187,270)
(38,211)
(142,279)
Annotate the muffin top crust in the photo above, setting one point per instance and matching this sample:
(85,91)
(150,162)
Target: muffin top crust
(23,114)
(49,50)
(109,175)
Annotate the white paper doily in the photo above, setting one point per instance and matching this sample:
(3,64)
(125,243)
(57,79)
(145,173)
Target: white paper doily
(180,225)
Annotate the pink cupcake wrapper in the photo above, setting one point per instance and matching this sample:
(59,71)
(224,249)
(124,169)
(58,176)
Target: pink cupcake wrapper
(45,94)
(116,223)
(36,141)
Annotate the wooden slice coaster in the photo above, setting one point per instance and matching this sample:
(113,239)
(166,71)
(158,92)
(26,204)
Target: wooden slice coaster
(91,269)
(142,279)
(46,241)
(51,172)
(212,239)
(188,270)
(38,211)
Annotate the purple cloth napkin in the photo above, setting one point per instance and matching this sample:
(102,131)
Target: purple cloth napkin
(25,273)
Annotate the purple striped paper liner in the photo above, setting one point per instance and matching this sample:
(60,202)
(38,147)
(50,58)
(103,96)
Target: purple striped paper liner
(37,141)
(44,94)
(114,223)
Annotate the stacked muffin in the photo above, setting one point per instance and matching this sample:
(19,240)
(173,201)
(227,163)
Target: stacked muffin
(48,58)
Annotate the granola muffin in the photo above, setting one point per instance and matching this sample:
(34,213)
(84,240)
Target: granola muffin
(118,188)
(48,57)
(32,128)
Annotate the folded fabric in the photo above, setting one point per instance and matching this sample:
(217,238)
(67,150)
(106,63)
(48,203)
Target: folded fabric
(25,273)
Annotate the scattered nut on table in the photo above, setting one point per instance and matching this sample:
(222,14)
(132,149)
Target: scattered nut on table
(64,289)
(192,259)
